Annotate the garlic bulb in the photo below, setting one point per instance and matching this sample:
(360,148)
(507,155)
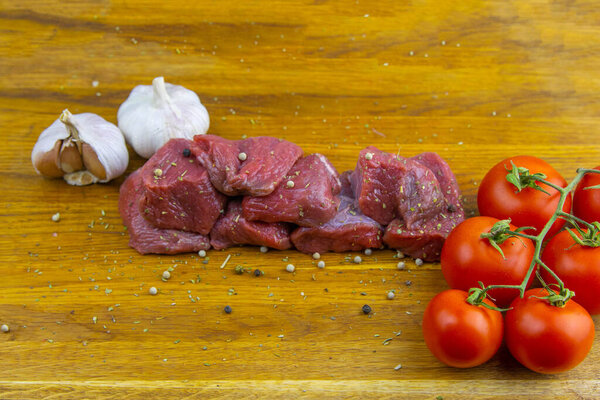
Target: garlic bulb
(152,115)
(82,148)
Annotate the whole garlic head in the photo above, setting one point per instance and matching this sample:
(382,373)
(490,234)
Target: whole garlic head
(152,115)
(81,148)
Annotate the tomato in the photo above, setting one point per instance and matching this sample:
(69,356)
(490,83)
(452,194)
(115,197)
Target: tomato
(467,259)
(460,334)
(577,266)
(499,198)
(546,338)
(586,203)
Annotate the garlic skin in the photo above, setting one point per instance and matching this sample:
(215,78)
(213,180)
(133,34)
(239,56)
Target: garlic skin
(81,148)
(152,115)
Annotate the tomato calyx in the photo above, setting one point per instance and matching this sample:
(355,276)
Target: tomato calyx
(586,238)
(500,232)
(592,187)
(477,295)
(556,299)
(521,178)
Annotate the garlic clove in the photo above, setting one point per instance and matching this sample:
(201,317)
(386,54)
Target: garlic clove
(92,163)
(70,158)
(47,163)
(46,151)
(152,115)
(104,139)
(80,178)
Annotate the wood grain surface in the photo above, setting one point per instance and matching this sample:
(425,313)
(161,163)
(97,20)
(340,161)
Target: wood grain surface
(475,81)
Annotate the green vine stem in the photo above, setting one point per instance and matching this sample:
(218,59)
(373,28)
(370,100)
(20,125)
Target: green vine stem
(521,178)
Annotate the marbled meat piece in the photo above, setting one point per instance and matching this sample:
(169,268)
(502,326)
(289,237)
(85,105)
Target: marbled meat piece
(310,200)
(233,229)
(348,230)
(145,237)
(253,166)
(389,186)
(426,239)
(178,192)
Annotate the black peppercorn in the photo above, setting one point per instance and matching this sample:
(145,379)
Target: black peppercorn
(228,309)
(366,309)
(186,152)
(257,272)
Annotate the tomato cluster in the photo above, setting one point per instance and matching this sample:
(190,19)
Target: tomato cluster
(545,332)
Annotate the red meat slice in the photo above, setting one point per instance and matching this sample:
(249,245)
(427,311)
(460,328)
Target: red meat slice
(311,201)
(348,230)
(233,229)
(145,237)
(258,172)
(178,192)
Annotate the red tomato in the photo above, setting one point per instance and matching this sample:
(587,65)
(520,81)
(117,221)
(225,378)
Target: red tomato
(577,266)
(499,198)
(586,203)
(546,338)
(460,334)
(467,259)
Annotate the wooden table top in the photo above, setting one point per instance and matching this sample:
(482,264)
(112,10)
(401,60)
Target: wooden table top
(475,81)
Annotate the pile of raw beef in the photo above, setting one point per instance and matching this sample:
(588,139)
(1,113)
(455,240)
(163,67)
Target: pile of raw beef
(214,192)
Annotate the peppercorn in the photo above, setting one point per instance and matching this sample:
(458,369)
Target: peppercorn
(227,309)
(366,309)
(186,152)
(257,272)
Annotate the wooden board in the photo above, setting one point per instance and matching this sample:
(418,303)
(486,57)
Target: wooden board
(475,81)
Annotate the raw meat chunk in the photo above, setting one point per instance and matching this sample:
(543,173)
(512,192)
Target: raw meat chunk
(309,201)
(446,179)
(388,186)
(425,240)
(256,172)
(348,230)
(143,236)
(233,229)
(178,192)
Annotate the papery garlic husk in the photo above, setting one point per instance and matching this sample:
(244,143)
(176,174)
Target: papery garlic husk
(82,148)
(152,115)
